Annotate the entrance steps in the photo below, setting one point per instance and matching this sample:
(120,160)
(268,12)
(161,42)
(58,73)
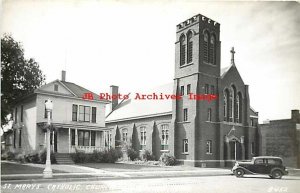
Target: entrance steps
(63,158)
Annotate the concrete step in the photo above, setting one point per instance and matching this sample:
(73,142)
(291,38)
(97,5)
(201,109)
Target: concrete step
(63,158)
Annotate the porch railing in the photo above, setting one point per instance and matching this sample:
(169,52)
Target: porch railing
(86,149)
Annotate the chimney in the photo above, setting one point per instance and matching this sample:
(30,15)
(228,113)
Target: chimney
(63,75)
(296,116)
(114,91)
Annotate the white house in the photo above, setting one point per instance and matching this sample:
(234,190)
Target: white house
(77,122)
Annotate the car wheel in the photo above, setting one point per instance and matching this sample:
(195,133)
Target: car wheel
(276,174)
(239,173)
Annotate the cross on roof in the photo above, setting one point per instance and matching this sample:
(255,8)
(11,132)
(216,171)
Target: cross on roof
(232,56)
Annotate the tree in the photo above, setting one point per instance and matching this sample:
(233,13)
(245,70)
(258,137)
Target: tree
(19,76)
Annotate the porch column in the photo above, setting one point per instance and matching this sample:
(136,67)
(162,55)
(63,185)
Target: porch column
(69,140)
(53,141)
(243,148)
(90,141)
(45,138)
(76,138)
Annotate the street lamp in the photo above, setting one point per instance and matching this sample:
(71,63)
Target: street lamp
(48,170)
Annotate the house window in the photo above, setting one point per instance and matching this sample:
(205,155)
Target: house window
(189,47)
(143,137)
(165,137)
(55,87)
(252,148)
(20,138)
(46,114)
(124,135)
(74,112)
(15,137)
(251,122)
(188,89)
(83,138)
(107,139)
(206,89)
(16,114)
(185,114)
(182,50)
(212,50)
(94,112)
(212,89)
(22,111)
(209,114)
(185,146)
(93,138)
(84,113)
(182,90)
(73,137)
(209,147)
(205,47)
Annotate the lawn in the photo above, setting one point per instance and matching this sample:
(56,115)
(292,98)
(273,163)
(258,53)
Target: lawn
(16,168)
(123,167)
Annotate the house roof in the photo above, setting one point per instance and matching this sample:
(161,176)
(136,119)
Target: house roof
(79,90)
(136,108)
(74,89)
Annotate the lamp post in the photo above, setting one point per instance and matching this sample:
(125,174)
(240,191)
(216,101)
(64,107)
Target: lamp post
(48,170)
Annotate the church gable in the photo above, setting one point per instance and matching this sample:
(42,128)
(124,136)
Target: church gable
(56,87)
(232,76)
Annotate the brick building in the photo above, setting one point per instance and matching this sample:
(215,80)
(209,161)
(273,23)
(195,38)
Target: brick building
(196,132)
(282,138)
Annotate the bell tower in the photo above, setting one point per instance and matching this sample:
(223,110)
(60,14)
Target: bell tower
(197,70)
(197,47)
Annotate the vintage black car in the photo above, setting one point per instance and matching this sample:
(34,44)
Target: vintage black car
(269,165)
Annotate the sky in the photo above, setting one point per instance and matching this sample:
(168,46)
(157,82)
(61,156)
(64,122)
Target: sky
(131,43)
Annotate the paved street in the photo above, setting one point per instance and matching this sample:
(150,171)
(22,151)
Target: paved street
(205,184)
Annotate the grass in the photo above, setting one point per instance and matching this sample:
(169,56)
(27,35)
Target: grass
(15,168)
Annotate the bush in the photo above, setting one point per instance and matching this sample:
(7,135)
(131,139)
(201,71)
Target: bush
(35,158)
(107,156)
(10,156)
(80,157)
(96,157)
(132,154)
(148,156)
(169,160)
(112,155)
(43,157)
(20,158)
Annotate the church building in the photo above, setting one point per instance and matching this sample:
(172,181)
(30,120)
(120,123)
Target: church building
(197,132)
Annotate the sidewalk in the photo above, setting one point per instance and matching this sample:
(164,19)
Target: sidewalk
(108,171)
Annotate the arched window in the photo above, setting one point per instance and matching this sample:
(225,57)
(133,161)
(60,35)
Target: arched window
(164,137)
(230,105)
(182,50)
(189,47)
(225,105)
(237,109)
(212,49)
(124,135)
(233,104)
(240,106)
(206,38)
(143,137)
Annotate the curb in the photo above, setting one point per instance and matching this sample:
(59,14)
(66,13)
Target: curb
(74,179)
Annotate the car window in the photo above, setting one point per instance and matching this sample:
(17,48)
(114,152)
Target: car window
(258,161)
(274,161)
